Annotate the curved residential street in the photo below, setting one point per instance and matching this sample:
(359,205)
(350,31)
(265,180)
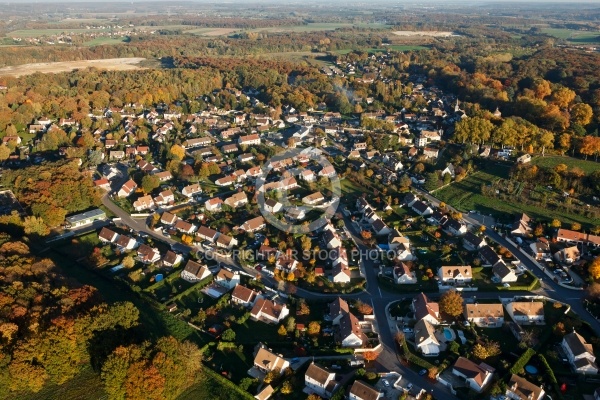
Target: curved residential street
(379,297)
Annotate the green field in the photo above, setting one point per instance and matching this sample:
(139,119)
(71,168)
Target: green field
(395,47)
(466,195)
(587,166)
(573,35)
(314,27)
(104,40)
(86,385)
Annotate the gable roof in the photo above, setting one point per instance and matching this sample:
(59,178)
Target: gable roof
(577,344)
(523,388)
(349,325)
(318,373)
(471,370)
(107,234)
(424,330)
(225,275)
(243,293)
(268,307)
(528,308)
(337,307)
(454,271)
(489,254)
(268,360)
(364,391)
(472,239)
(424,306)
(478,310)
(501,270)
(195,268)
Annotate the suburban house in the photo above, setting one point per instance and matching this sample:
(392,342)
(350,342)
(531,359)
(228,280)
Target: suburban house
(521,226)
(167,218)
(213,204)
(572,237)
(425,340)
(455,274)
(379,228)
(107,236)
(403,275)
(226,241)
(475,376)
(472,242)
(362,391)
(194,272)
(337,309)
(503,273)
(227,279)
(340,273)
(143,203)
(421,208)
(454,227)
(171,259)
(253,225)
(314,198)
(580,353)
(206,233)
(266,361)
(185,227)
(426,309)
(127,188)
(488,256)
(319,380)
(191,190)
(268,311)
(272,206)
(308,176)
(350,333)
(244,296)
(286,263)
(526,312)
(147,254)
(248,140)
(236,200)
(265,393)
(521,389)
(331,238)
(484,315)
(102,183)
(125,242)
(568,255)
(164,176)
(541,249)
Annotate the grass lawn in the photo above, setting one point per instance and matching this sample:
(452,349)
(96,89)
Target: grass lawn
(588,166)
(104,40)
(250,331)
(86,385)
(208,387)
(466,195)
(319,26)
(233,361)
(350,190)
(573,35)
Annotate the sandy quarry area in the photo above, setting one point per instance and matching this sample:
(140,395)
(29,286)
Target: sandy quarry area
(118,64)
(423,33)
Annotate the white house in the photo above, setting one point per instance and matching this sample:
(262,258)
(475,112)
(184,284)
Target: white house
(267,361)
(127,188)
(244,296)
(272,206)
(143,203)
(319,380)
(350,332)
(421,208)
(426,309)
(213,204)
(425,340)
(125,242)
(254,224)
(337,309)
(579,353)
(472,242)
(521,389)
(226,241)
(403,275)
(191,190)
(475,376)
(168,219)
(503,273)
(108,236)
(526,312)
(227,279)
(147,254)
(248,140)
(484,315)
(455,274)
(194,272)
(268,311)
(171,259)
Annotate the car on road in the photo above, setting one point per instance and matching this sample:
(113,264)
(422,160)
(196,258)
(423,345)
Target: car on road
(409,386)
(422,372)
(407,330)
(294,360)
(506,285)
(385,382)
(258,267)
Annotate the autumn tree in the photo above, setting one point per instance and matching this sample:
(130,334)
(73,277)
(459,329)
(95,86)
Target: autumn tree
(4,152)
(177,152)
(486,349)
(149,183)
(282,331)
(594,268)
(581,114)
(370,356)
(314,328)
(364,308)
(128,262)
(303,308)
(451,303)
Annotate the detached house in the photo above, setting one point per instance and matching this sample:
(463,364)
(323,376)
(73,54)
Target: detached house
(425,340)
(194,272)
(244,296)
(540,249)
(503,273)
(168,219)
(143,203)
(253,225)
(521,226)
(147,254)
(268,311)
(426,309)
(454,227)
(484,315)
(475,376)
(362,391)
(568,255)
(403,274)
(350,333)
(227,279)
(127,188)
(579,353)
(108,236)
(488,256)
(171,259)
(213,204)
(185,227)
(267,361)
(125,242)
(526,312)
(421,208)
(191,190)
(521,389)
(206,233)
(248,140)
(455,274)
(472,242)
(320,381)
(337,308)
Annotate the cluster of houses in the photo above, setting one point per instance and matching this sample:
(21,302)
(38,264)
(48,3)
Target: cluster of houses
(145,254)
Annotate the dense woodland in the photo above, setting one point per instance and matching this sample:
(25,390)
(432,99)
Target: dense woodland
(50,329)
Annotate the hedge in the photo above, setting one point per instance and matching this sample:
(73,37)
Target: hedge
(522,361)
(413,358)
(550,375)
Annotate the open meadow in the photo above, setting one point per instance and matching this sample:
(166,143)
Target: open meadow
(573,35)
(113,64)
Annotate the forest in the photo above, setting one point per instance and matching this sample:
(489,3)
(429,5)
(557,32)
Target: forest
(51,328)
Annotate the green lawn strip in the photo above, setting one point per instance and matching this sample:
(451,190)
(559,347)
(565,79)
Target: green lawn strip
(588,166)
(210,385)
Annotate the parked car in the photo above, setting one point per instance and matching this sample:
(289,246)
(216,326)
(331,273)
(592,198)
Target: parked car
(385,382)
(295,360)
(423,372)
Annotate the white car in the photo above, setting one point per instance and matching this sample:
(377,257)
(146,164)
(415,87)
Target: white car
(385,383)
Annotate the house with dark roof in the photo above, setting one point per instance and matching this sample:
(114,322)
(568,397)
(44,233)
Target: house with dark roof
(426,309)
(226,278)
(476,376)
(521,226)
(521,389)
(363,391)
(337,309)
(580,353)
(320,381)
(403,275)
(108,236)
(147,254)
(454,227)
(488,256)
(244,296)
(350,333)
(194,272)
(425,340)
(421,208)
(171,259)
(472,242)
(503,273)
